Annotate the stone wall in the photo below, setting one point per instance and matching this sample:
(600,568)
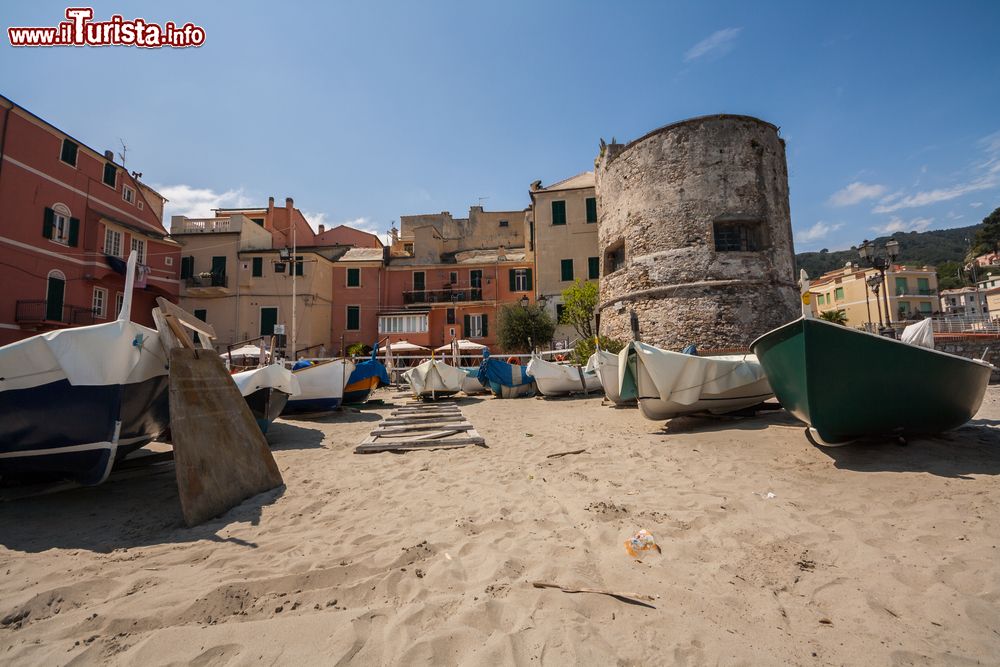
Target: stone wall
(661,199)
(973,348)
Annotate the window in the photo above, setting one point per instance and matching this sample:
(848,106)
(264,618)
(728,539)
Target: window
(504,223)
(68,153)
(187,267)
(169,261)
(519,280)
(593,268)
(838,293)
(614,257)
(560,309)
(820,300)
(925,307)
(58,226)
(259,221)
(139,204)
(139,245)
(279,267)
(128,194)
(268,318)
(100,302)
(110,174)
(739,235)
(591,209)
(402,324)
(201,314)
(904,308)
(354,277)
(353,318)
(566,269)
(453,277)
(257,268)
(408,248)
(476,326)
(901,286)
(119,302)
(476,278)
(923,287)
(299,265)
(451,316)
(113,243)
(559,212)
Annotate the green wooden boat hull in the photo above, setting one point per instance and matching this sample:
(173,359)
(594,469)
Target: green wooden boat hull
(848,384)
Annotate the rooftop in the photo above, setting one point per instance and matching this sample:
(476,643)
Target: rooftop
(580,181)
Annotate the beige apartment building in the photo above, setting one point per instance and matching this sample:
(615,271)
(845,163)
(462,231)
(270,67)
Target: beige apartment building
(563,231)
(912,290)
(233,277)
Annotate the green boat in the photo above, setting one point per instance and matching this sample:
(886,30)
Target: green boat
(822,373)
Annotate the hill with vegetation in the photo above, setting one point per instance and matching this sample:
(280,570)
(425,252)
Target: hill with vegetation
(945,249)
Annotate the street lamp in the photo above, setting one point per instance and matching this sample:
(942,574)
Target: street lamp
(880,262)
(524,301)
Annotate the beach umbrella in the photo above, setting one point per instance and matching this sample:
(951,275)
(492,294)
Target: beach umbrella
(462,345)
(245,351)
(405,346)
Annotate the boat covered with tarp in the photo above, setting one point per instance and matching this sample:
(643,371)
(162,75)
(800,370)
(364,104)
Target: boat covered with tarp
(555,379)
(505,380)
(321,385)
(605,365)
(434,378)
(76,400)
(266,391)
(367,376)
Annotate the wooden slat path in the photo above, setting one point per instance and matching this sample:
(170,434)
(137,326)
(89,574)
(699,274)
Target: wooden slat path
(421,425)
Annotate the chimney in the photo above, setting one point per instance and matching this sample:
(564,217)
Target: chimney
(289,203)
(270,205)
(501,254)
(109,155)
(322,228)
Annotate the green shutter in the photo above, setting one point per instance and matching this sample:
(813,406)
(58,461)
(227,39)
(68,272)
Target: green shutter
(559,212)
(353,318)
(354,277)
(110,173)
(566,268)
(74,231)
(486,325)
(512,275)
(187,266)
(47,223)
(466,324)
(591,209)
(529,288)
(593,267)
(258,267)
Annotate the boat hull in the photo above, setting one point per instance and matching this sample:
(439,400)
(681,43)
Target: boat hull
(435,378)
(357,393)
(561,380)
(321,387)
(507,391)
(605,364)
(817,370)
(266,404)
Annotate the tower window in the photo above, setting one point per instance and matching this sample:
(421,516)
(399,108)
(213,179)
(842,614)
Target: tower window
(739,235)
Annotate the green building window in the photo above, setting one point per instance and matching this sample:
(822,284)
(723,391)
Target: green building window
(925,306)
(901,286)
(258,267)
(187,267)
(258,221)
(593,268)
(566,267)
(591,209)
(353,318)
(821,300)
(559,212)
(924,287)
(298,265)
(110,174)
(838,293)
(68,154)
(354,277)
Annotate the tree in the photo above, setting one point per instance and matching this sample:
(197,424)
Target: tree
(988,236)
(835,316)
(951,275)
(579,303)
(523,327)
(585,347)
(358,349)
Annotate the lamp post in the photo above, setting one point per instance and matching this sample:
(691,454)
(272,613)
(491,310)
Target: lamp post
(881,262)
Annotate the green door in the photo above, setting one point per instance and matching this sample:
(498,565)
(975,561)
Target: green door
(268,318)
(219,271)
(54,299)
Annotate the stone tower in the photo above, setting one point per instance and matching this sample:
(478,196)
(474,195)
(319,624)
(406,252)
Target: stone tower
(695,234)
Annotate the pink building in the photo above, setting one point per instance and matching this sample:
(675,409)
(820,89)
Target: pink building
(69,216)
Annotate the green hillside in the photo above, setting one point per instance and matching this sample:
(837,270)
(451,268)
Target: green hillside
(932,248)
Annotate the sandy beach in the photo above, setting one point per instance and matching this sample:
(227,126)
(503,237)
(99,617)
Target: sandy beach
(774,551)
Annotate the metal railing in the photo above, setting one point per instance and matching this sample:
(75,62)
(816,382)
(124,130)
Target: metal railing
(916,292)
(447,295)
(211,280)
(966,325)
(40,311)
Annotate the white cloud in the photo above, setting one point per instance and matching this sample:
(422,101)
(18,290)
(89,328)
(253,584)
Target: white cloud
(856,193)
(976,204)
(897,224)
(935,196)
(818,232)
(716,45)
(198,202)
(363,223)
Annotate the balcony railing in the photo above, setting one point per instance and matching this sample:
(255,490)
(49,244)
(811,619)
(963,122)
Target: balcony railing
(207,225)
(39,312)
(447,295)
(916,292)
(211,280)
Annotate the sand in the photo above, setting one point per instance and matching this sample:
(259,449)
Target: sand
(868,554)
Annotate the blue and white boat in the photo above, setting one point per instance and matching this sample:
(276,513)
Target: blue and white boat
(266,391)
(74,401)
(321,385)
(505,380)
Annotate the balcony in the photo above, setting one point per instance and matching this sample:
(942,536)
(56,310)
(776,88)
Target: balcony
(916,292)
(55,315)
(203,225)
(207,284)
(446,295)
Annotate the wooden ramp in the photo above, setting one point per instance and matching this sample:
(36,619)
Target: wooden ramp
(420,425)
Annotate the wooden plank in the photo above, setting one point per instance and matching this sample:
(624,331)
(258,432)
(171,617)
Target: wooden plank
(388,446)
(430,408)
(407,422)
(178,331)
(384,431)
(186,318)
(429,415)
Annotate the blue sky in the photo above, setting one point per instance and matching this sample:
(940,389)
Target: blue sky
(366,111)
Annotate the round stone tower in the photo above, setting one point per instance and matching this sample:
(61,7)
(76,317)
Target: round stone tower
(695,234)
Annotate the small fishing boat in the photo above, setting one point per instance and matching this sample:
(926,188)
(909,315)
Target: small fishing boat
(434,378)
(471,384)
(321,385)
(76,400)
(605,365)
(817,370)
(368,376)
(555,379)
(505,380)
(266,391)
(670,384)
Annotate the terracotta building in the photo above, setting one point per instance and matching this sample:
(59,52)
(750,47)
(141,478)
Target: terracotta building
(69,216)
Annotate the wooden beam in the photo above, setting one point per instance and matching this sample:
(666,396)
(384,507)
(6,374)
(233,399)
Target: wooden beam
(186,318)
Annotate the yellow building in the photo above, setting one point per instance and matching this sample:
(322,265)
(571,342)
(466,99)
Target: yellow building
(912,290)
(563,235)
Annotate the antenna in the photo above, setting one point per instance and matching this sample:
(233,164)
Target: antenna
(124,150)
(481,200)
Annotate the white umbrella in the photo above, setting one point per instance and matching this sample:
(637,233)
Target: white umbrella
(245,351)
(462,345)
(404,346)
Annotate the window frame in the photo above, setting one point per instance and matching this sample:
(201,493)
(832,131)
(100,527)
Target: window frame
(740,234)
(104,176)
(593,268)
(521,280)
(121,241)
(100,311)
(588,205)
(256,267)
(139,244)
(61,217)
(128,194)
(562,212)
(347,317)
(562,270)
(475,325)
(119,303)
(76,152)
(347,277)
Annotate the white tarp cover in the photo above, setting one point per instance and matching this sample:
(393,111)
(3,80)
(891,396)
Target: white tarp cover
(683,378)
(119,352)
(405,346)
(245,351)
(564,378)
(434,375)
(921,334)
(462,345)
(323,380)
(274,376)
(605,364)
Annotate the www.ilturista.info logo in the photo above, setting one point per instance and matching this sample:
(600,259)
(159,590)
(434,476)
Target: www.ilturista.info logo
(80,30)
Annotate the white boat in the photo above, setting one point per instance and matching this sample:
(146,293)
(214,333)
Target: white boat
(471,384)
(605,364)
(669,384)
(435,378)
(321,385)
(76,400)
(266,391)
(555,379)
